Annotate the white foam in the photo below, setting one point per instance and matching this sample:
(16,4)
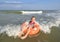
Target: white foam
(46,28)
(46,25)
(13,30)
(32,12)
(10,30)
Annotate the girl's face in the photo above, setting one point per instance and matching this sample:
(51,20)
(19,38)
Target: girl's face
(33,19)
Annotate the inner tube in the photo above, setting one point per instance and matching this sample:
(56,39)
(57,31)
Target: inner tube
(33,31)
(29,31)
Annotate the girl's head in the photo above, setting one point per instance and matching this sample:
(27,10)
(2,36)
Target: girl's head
(33,18)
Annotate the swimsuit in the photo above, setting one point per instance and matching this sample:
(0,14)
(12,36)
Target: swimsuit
(31,23)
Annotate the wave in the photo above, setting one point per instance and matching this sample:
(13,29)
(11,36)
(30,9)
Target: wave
(14,30)
(10,30)
(28,11)
(21,12)
(31,12)
(10,12)
(46,22)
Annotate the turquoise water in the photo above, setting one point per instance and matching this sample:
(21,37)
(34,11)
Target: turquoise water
(10,25)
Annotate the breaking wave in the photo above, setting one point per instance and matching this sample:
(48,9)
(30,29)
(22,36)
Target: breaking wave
(14,30)
(10,29)
(46,23)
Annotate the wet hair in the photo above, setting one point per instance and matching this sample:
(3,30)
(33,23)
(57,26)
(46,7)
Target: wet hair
(33,17)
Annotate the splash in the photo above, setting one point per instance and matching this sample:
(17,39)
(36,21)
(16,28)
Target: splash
(46,22)
(10,30)
(14,30)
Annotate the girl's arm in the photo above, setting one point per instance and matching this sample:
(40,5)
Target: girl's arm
(25,36)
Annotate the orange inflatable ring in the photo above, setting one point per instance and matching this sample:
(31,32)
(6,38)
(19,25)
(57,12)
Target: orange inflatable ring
(33,31)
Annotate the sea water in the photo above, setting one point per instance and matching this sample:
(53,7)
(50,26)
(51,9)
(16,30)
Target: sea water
(10,27)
